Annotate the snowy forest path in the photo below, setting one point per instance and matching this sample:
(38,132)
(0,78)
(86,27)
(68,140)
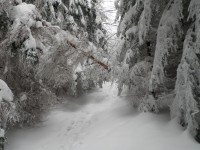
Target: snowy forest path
(64,125)
(100,120)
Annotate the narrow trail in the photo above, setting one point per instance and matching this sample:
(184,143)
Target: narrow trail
(101,121)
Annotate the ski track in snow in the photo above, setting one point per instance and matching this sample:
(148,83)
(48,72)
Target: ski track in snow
(102,121)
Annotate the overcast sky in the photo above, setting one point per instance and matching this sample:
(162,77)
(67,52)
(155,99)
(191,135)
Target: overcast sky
(110,10)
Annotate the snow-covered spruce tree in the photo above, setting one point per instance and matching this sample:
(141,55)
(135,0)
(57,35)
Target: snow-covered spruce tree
(187,101)
(7,111)
(137,29)
(169,47)
(39,58)
(158,57)
(80,19)
(19,60)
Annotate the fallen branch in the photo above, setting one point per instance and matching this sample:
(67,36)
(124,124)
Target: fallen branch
(90,56)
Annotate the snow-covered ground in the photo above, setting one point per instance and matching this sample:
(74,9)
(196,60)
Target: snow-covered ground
(102,121)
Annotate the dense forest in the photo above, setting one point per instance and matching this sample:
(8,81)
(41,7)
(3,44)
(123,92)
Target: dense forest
(159,57)
(49,48)
(52,49)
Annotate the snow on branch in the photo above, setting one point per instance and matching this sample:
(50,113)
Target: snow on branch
(5,92)
(91,57)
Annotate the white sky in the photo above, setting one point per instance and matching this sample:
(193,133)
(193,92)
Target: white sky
(110,10)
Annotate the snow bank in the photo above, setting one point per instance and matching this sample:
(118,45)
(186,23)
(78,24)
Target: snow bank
(5,92)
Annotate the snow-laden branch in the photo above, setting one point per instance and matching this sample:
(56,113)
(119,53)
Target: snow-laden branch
(5,92)
(90,56)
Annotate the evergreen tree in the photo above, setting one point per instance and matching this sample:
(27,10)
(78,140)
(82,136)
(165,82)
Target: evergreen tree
(50,47)
(158,56)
